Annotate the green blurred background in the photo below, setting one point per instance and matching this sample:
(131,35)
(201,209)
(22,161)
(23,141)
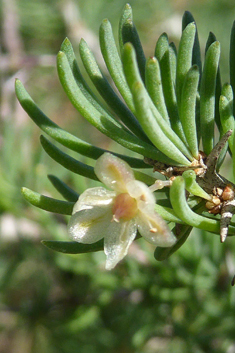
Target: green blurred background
(58,303)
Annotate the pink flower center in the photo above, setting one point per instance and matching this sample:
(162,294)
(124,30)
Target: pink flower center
(124,207)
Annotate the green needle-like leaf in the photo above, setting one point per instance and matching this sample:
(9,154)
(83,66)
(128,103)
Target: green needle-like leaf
(47,203)
(233,156)
(182,232)
(65,72)
(154,86)
(196,58)
(183,211)
(232,61)
(52,129)
(188,108)
(173,60)
(152,128)
(227,91)
(207,95)
(226,113)
(211,39)
(162,46)
(107,92)
(145,178)
(198,123)
(57,133)
(102,122)
(167,64)
(80,168)
(167,214)
(66,161)
(113,62)
(72,247)
(126,14)
(184,58)
(192,186)
(67,49)
(162,254)
(68,193)
(129,34)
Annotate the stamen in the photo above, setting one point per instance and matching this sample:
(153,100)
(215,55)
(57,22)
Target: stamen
(114,219)
(159,184)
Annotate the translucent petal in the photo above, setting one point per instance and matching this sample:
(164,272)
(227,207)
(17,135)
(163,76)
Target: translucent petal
(117,243)
(90,225)
(98,196)
(113,172)
(140,191)
(154,229)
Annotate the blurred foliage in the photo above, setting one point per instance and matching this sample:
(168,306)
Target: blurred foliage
(58,303)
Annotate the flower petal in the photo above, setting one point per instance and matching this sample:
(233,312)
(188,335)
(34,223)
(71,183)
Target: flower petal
(116,244)
(98,196)
(140,191)
(90,225)
(113,172)
(154,229)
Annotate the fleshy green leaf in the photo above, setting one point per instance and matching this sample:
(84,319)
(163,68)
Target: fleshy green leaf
(102,122)
(152,128)
(184,58)
(211,39)
(68,193)
(173,60)
(80,168)
(167,64)
(188,108)
(232,60)
(73,247)
(181,231)
(66,161)
(168,214)
(196,58)
(67,49)
(47,203)
(207,94)
(113,62)
(145,178)
(226,112)
(129,34)
(162,254)
(137,87)
(183,211)
(65,138)
(107,92)
(154,86)
(192,186)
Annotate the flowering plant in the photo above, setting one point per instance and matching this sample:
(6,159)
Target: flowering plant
(170,104)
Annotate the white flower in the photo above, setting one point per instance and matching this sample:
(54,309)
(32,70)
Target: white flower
(117,215)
